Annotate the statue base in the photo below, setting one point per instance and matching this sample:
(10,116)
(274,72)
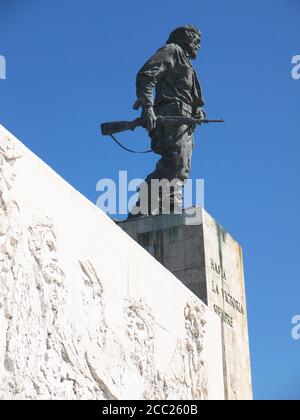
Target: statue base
(199,252)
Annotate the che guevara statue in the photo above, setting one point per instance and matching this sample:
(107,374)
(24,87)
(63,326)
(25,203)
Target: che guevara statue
(170,74)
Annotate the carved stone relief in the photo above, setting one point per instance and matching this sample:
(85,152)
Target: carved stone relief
(46,353)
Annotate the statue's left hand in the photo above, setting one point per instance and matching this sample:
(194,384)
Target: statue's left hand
(200,114)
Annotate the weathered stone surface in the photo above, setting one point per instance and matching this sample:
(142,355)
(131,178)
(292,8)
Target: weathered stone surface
(83,311)
(195,248)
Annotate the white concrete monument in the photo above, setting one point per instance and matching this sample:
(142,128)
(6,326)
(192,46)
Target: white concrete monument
(86,312)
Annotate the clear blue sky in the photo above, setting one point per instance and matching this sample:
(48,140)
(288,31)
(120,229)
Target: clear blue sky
(71,64)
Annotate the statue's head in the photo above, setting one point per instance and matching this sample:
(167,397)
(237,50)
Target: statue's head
(188,38)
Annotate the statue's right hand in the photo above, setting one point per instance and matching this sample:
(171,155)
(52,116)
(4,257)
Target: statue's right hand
(149,118)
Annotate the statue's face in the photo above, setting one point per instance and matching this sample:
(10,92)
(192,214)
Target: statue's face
(192,44)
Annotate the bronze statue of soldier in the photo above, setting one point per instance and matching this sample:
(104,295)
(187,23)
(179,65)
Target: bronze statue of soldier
(169,72)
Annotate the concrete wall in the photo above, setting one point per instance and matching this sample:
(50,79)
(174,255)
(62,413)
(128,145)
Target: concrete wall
(85,312)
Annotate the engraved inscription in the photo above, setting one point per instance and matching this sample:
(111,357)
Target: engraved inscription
(227,297)
(224,316)
(217,268)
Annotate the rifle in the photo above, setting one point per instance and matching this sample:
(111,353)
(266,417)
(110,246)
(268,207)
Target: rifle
(110,128)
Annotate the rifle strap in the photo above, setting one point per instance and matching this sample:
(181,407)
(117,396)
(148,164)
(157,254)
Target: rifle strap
(125,148)
(144,151)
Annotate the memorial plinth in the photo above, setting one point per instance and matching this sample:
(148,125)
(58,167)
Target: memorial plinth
(199,252)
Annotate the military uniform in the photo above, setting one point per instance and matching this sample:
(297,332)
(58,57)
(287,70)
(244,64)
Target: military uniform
(177,92)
